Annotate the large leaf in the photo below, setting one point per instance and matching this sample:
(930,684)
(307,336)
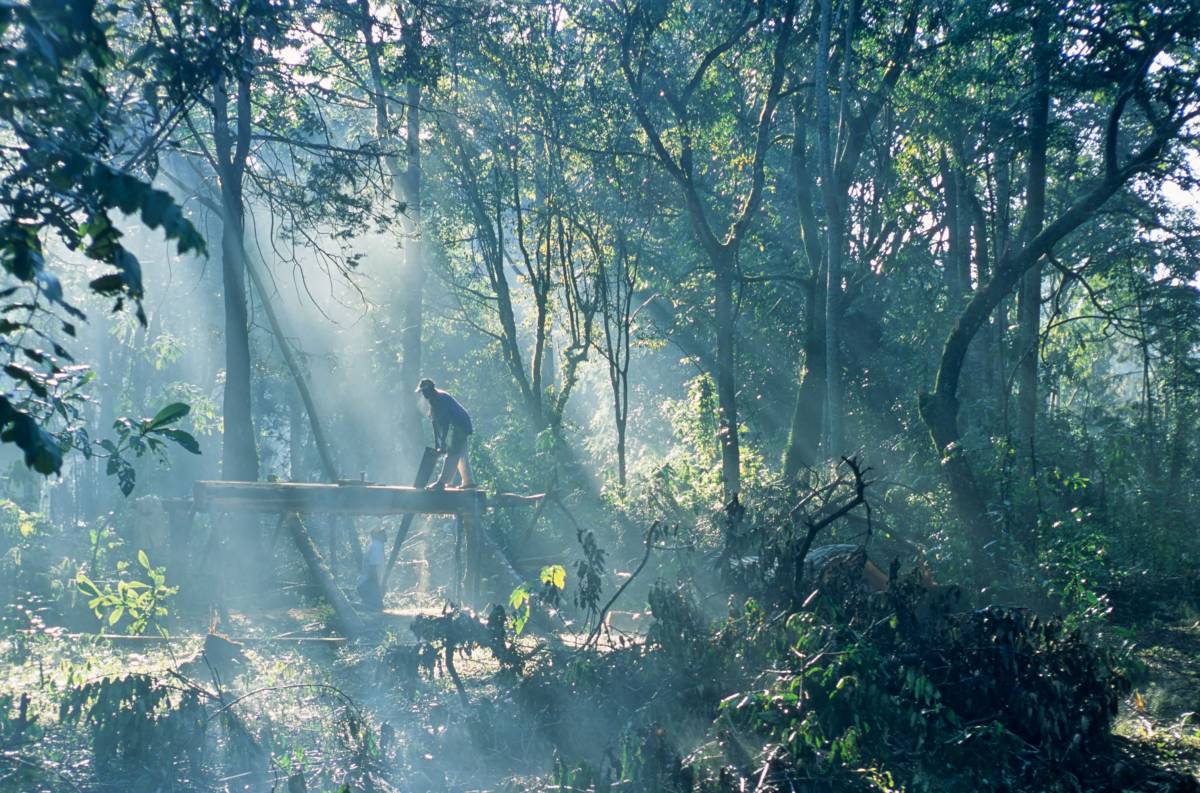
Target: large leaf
(184,439)
(170,414)
(42,452)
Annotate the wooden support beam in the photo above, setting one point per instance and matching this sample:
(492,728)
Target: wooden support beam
(348,620)
(296,497)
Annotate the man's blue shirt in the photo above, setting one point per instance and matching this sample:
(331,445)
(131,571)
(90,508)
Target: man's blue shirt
(446,413)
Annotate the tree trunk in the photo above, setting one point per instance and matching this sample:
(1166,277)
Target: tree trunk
(939,409)
(621,472)
(727,420)
(1029,300)
(952,273)
(808,414)
(774,416)
(320,440)
(239,452)
(347,619)
(414,263)
(804,439)
(986,350)
(406,188)
(1002,392)
(834,238)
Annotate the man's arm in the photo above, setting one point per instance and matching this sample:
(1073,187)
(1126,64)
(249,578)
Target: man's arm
(438,434)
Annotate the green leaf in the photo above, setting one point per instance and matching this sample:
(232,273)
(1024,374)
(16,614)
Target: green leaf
(169,414)
(143,560)
(85,584)
(554,575)
(184,439)
(110,284)
(519,601)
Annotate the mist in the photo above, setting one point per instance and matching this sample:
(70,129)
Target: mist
(653,396)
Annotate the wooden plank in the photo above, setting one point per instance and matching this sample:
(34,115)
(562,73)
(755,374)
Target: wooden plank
(297,497)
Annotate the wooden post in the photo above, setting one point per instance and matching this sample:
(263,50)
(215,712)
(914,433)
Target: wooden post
(470,522)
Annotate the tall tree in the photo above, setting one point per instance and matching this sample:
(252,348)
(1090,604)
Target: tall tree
(832,191)
(231,147)
(1029,301)
(672,92)
(1129,61)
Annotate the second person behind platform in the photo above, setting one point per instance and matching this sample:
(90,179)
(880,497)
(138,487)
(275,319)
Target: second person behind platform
(451,433)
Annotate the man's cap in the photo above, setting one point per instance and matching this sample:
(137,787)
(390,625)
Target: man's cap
(425,385)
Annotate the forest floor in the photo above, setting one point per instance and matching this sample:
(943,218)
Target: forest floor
(300,700)
(1162,713)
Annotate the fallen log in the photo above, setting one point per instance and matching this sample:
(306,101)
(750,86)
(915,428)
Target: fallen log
(348,620)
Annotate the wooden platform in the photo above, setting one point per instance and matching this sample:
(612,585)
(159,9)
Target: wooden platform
(481,563)
(350,499)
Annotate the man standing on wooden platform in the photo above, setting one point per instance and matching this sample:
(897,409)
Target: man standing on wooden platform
(451,434)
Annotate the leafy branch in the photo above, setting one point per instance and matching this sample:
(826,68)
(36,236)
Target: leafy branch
(139,600)
(143,437)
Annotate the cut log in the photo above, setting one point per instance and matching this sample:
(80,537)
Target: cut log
(348,620)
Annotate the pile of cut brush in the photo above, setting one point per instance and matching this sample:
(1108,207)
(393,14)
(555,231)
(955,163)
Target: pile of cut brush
(818,678)
(905,688)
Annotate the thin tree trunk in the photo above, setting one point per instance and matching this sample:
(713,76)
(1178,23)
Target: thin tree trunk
(834,238)
(406,188)
(324,451)
(1000,322)
(956,288)
(727,419)
(985,349)
(239,453)
(808,414)
(804,439)
(1030,299)
(414,262)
